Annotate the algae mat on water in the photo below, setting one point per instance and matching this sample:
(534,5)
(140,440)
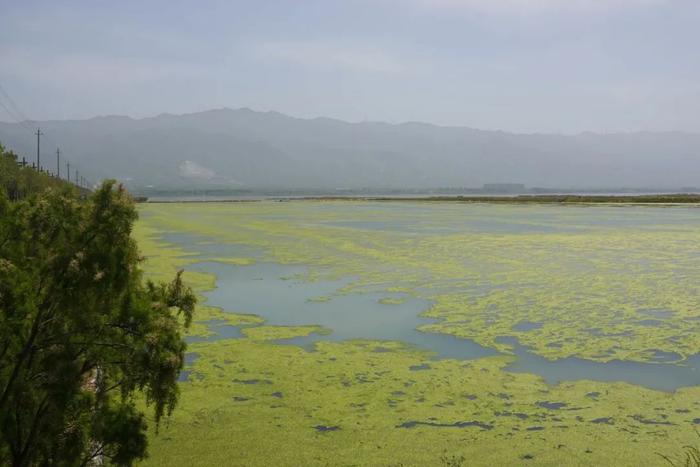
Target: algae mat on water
(599,283)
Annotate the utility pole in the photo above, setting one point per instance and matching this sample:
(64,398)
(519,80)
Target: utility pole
(77,180)
(58,163)
(39,134)
(68,169)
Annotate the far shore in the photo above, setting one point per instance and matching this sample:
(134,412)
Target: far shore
(657,199)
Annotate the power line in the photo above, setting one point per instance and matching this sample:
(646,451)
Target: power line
(23,121)
(9,112)
(14,117)
(15,113)
(21,118)
(14,106)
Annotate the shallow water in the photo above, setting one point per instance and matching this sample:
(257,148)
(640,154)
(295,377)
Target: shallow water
(207,248)
(280,294)
(190,357)
(475,217)
(664,377)
(283,295)
(220,330)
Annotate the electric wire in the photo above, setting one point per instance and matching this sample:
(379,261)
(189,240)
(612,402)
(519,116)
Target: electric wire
(21,119)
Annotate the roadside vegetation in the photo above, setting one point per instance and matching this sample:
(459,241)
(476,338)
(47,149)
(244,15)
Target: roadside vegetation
(18,181)
(86,344)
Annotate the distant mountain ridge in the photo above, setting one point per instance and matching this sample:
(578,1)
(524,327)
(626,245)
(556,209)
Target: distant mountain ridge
(242,148)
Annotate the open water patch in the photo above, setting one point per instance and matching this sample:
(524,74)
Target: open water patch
(219,330)
(415,423)
(284,296)
(202,247)
(280,294)
(655,313)
(190,357)
(525,326)
(660,376)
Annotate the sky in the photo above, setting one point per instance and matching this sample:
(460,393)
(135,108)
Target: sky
(546,66)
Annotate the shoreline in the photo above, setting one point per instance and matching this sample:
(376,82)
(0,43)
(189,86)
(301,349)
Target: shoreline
(670,200)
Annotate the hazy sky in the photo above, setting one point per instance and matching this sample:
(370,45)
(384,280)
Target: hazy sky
(515,65)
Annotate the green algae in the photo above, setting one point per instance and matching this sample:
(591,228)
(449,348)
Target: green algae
(321,299)
(391,301)
(573,277)
(162,260)
(385,412)
(588,286)
(269,333)
(233,261)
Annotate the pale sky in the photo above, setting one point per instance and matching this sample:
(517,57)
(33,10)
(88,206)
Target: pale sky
(514,65)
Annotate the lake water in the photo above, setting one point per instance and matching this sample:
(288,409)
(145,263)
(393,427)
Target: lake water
(581,268)
(281,295)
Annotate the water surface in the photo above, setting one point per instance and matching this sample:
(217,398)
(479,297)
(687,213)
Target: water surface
(282,295)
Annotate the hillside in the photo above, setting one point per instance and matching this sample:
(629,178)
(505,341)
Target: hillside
(242,148)
(17,182)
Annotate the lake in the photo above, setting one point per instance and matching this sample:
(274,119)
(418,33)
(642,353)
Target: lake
(589,312)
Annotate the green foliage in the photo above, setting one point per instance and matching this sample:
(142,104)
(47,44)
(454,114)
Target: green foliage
(18,182)
(81,335)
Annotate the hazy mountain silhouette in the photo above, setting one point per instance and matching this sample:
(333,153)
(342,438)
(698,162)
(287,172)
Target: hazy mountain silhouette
(248,149)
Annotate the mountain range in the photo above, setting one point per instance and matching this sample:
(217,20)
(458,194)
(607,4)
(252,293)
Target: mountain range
(246,149)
